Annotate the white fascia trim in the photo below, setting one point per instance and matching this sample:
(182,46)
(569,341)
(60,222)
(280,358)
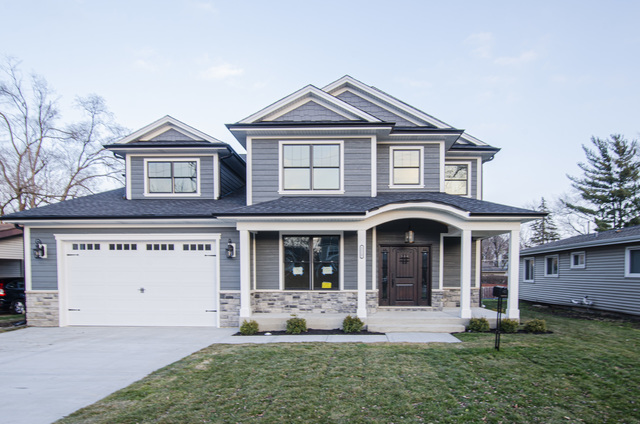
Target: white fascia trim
(441,162)
(478,263)
(386,98)
(164,121)
(304,101)
(153,134)
(127,173)
(146,192)
(441,263)
(392,149)
(138,236)
(473,140)
(309,89)
(469,172)
(479,170)
(374,166)
(310,192)
(249,164)
(584,264)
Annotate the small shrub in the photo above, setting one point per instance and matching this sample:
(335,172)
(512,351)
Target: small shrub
(535,326)
(478,325)
(509,325)
(352,324)
(249,328)
(296,325)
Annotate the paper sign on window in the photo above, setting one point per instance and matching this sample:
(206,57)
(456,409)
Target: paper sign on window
(298,270)
(326,285)
(327,270)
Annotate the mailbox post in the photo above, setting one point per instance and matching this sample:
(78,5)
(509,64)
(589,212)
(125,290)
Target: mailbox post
(501,293)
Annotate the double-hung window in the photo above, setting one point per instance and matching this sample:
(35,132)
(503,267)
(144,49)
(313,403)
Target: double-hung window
(456,179)
(551,266)
(311,167)
(529,267)
(311,262)
(406,167)
(172,176)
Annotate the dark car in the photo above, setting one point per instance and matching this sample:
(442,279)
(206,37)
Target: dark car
(12,295)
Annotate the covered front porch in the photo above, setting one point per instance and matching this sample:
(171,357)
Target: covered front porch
(403,268)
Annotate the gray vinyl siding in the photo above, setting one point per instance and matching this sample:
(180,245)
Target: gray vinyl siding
(311,111)
(431,168)
(373,109)
(268,261)
(11,268)
(451,262)
(229,180)
(172,135)
(44,272)
(206,177)
(602,280)
(350,260)
(473,173)
(265,168)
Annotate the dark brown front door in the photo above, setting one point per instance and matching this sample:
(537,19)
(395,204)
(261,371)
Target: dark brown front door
(405,275)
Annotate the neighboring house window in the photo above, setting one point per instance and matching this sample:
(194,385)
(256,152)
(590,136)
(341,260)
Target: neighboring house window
(528,269)
(172,177)
(406,167)
(311,167)
(578,260)
(551,266)
(456,179)
(311,262)
(632,262)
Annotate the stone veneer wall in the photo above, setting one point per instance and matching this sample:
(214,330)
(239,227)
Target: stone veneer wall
(42,309)
(338,302)
(229,309)
(451,297)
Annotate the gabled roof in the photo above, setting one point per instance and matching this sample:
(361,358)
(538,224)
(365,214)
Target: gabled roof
(164,124)
(624,235)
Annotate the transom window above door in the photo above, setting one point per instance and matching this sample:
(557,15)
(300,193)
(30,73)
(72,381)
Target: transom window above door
(406,167)
(172,176)
(311,167)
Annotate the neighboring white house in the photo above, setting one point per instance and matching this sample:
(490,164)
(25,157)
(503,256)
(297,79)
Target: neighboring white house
(349,202)
(599,271)
(11,251)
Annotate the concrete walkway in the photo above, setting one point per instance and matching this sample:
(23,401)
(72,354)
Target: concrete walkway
(48,373)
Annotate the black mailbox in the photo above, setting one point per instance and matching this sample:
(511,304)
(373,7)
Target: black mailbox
(500,292)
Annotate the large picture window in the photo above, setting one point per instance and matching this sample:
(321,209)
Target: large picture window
(172,177)
(309,167)
(311,262)
(456,179)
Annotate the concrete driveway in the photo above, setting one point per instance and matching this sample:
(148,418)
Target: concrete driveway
(48,373)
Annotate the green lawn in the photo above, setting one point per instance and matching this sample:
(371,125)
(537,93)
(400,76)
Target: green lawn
(7,321)
(586,371)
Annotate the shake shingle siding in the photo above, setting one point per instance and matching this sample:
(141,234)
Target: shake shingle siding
(137,177)
(603,280)
(44,273)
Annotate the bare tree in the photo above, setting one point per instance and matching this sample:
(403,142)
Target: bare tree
(41,160)
(495,250)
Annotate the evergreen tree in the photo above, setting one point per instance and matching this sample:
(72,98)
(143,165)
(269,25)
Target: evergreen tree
(610,185)
(544,230)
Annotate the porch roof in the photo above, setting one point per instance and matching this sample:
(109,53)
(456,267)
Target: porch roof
(334,205)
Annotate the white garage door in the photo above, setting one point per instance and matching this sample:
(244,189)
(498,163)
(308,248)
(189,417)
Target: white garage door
(141,283)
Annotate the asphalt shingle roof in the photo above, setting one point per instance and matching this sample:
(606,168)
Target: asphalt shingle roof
(606,237)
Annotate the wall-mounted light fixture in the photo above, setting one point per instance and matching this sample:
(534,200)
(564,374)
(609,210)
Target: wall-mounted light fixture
(409,236)
(40,250)
(231,249)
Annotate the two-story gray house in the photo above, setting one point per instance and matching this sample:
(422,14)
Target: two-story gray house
(349,201)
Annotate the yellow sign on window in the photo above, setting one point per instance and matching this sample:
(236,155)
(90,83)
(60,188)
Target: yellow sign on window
(326,285)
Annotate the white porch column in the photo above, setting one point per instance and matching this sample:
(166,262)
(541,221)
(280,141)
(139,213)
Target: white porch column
(514,275)
(465,274)
(245,274)
(362,274)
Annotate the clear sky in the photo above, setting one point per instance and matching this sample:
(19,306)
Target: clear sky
(536,78)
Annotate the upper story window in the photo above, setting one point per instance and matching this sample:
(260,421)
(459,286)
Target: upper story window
(406,167)
(529,267)
(176,176)
(632,262)
(551,266)
(456,179)
(578,260)
(311,167)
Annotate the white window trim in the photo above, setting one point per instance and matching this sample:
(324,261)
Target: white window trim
(524,274)
(310,233)
(171,159)
(392,149)
(584,264)
(311,191)
(546,274)
(469,175)
(627,262)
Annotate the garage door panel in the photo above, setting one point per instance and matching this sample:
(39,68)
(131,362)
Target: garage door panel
(155,283)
